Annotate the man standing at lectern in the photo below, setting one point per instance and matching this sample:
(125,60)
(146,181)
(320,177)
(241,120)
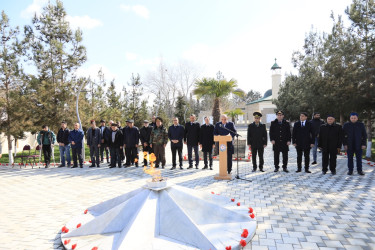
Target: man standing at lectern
(225,128)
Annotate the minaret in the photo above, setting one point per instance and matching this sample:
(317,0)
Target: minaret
(276,80)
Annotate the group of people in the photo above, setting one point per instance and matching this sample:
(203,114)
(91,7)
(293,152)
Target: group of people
(306,135)
(122,144)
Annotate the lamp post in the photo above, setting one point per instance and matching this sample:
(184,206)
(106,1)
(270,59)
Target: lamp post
(79,119)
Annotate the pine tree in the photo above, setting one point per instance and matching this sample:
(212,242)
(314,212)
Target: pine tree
(56,52)
(13,108)
(181,109)
(134,98)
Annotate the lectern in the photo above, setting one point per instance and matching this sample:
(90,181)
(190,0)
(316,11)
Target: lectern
(223,157)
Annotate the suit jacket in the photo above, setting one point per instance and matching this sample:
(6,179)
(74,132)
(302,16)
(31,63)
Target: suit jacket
(77,137)
(354,135)
(105,134)
(280,133)
(93,140)
(119,139)
(256,135)
(303,136)
(192,133)
(206,137)
(219,130)
(330,137)
(176,133)
(145,133)
(131,136)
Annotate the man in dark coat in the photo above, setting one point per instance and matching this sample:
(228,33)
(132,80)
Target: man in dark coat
(104,131)
(94,137)
(303,141)
(330,141)
(191,138)
(257,140)
(280,138)
(354,142)
(206,140)
(176,136)
(107,137)
(144,136)
(115,144)
(316,122)
(64,145)
(131,141)
(76,140)
(122,154)
(225,128)
(46,139)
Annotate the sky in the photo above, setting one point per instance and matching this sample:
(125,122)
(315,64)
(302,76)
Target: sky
(240,38)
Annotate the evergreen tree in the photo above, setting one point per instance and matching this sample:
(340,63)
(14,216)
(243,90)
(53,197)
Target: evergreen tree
(181,109)
(56,52)
(134,99)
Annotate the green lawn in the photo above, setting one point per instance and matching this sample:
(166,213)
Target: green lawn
(4,158)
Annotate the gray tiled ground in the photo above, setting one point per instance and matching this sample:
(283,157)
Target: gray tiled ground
(294,210)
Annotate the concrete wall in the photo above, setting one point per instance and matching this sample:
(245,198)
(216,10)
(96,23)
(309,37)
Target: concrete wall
(29,139)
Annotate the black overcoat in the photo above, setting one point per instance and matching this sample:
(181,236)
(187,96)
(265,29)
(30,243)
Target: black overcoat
(206,137)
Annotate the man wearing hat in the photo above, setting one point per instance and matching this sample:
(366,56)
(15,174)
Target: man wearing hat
(330,141)
(144,136)
(354,142)
(158,141)
(104,130)
(303,140)
(131,141)
(115,143)
(316,122)
(257,140)
(280,138)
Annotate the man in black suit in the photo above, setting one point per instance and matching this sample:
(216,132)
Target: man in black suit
(257,140)
(225,128)
(303,140)
(191,138)
(330,141)
(176,136)
(144,136)
(104,130)
(206,141)
(131,141)
(280,138)
(115,143)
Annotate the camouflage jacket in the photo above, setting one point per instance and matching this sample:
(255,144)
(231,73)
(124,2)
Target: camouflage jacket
(159,136)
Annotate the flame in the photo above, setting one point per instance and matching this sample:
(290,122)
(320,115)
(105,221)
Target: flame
(156,174)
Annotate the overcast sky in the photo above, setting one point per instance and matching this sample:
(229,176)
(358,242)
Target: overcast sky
(240,38)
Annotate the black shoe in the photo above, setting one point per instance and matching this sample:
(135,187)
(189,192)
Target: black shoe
(181,167)
(298,170)
(81,166)
(324,172)
(173,168)
(162,167)
(47,166)
(61,166)
(75,167)
(285,170)
(333,173)
(211,168)
(196,167)
(112,166)
(156,166)
(190,167)
(136,165)
(254,169)
(92,166)
(350,173)
(361,173)
(205,167)
(126,166)
(314,163)
(261,170)
(98,166)
(120,166)
(307,171)
(276,170)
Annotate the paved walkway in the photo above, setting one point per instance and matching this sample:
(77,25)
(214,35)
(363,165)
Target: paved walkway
(294,210)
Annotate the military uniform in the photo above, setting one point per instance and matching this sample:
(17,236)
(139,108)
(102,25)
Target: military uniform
(280,133)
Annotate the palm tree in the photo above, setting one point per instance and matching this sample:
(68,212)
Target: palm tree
(217,89)
(234,113)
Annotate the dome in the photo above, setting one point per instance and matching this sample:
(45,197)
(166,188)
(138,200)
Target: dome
(267,93)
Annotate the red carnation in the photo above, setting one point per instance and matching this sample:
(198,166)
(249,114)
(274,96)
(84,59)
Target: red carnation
(243,243)
(79,225)
(75,245)
(252,216)
(64,229)
(228,248)
(212,193)
(232,200)
(238,204)
(94,248)
(85,211)
(66,242)
(245,233)
(250,210)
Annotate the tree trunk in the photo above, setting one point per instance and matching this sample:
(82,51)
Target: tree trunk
(369,136)
(216,110)
(10,150)
(341,119)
